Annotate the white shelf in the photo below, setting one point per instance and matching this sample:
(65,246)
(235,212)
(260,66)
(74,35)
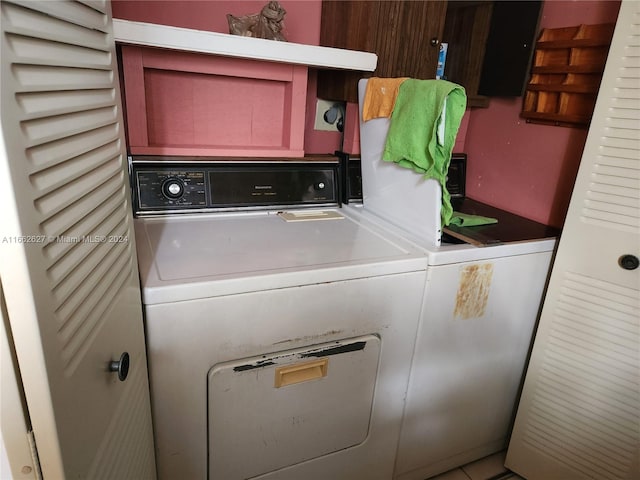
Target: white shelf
(176,38)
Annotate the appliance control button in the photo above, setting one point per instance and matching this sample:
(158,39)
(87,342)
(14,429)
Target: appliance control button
(320,185)
(173,188)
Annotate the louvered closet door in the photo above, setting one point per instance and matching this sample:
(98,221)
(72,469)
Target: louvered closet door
(67,258)
(579,416)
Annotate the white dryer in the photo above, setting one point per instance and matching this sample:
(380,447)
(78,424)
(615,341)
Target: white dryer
(279,343)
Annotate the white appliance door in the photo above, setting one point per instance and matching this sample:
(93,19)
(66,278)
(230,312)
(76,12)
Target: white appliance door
(282,409)
(67,256)
(579,416)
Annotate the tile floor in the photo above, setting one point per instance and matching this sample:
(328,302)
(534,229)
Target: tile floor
(488,468)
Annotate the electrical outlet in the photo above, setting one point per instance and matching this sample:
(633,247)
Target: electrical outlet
(322,106)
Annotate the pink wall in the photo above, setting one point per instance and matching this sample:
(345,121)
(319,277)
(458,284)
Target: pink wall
(301,25)
(302,22)
(522,167)
(525,168)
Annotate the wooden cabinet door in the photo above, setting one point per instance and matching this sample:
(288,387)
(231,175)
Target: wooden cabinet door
(349,25)
(399,32)
(407,38)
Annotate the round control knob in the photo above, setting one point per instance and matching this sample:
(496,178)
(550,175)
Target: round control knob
(173,188)
(320,185)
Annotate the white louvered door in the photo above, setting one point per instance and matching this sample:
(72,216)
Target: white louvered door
(67,257)
(579,415)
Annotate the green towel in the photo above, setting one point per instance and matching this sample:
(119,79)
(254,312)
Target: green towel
(466,220)
(412,141)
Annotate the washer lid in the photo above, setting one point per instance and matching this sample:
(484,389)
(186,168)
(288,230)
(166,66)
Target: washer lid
(209,255)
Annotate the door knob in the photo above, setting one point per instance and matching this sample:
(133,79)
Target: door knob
(629,262)
(121,366)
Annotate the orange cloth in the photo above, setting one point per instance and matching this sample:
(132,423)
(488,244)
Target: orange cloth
(380,97)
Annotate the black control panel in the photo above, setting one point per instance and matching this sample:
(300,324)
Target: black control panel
(161,186)
(351,173)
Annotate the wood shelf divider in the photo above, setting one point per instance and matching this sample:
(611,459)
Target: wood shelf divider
(565,76)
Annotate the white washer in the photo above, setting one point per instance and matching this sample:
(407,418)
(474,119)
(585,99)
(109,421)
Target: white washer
(479,313)
(277,350)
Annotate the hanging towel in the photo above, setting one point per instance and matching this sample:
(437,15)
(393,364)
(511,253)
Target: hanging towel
(380,97)
(466,220)
(421,108)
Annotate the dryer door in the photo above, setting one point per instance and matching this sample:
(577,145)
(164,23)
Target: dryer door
(273,411)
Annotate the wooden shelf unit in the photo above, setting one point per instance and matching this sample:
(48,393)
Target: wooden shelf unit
(565,77)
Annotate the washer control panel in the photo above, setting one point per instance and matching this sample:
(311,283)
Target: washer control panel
(164,186)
